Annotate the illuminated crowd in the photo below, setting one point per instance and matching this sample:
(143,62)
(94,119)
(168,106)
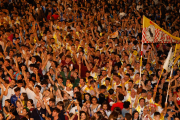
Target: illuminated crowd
(80,60)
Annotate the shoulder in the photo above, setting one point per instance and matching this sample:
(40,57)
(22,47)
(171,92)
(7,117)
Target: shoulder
(13,96)
(34,111)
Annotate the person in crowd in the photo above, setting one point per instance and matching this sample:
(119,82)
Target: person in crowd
(81,60)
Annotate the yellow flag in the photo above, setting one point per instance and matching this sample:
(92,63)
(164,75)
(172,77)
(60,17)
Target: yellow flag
(152,33)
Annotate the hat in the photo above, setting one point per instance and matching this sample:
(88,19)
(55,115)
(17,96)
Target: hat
(152,105)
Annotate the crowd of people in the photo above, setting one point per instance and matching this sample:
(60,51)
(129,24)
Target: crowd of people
(60,60)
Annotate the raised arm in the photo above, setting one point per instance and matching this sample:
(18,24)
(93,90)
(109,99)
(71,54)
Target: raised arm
(50,78)
(45,63)
(2,91)
(47,106)
(6,91)
(87,65)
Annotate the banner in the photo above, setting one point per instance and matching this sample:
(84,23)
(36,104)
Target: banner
(114,34)
(166,63)
(152,33)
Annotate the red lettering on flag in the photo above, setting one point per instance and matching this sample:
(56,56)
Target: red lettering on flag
(151,22)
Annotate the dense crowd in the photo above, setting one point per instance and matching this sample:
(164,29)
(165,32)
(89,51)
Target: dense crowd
(80,60)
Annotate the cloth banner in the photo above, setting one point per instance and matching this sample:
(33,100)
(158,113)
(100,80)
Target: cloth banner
(152,33)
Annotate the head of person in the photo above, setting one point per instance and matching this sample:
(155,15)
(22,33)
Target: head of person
(126,104)
(38,88)
(157,116)
(60,105)
(153,108)
(142,102)
(12,83)
(17,91)
(18,104)
(82,81)
(94,100)
(38,104)
(77,89)
(111,91)
(104,106)
(130,83)
(107,81)
(144,93)
(116,113)
(52,102)
(176,118)
(133,92)
(24,97)
(55,112)
(145,110)
(128,116)
(101,98)
(121,97)
(98,115)
(19,83)
(7,103)
(87,97)
(135,115)
(149,94)
(1,116)
(83,115)
(178,89)
(30,103)
(68,59)
(25,111)
(102,89)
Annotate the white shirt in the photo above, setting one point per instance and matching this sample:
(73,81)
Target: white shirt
(73,110)
(108,112)
(69,92)
(22,89)
(103,80)
(58,99)
(132,99)
(95,110)
(8,96)
(83,88)
(32,95)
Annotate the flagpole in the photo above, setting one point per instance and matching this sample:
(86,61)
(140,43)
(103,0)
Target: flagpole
(165,66)
(141,54)
(171,75)
(160,77)
(141,64)
(169,84)
(170,80)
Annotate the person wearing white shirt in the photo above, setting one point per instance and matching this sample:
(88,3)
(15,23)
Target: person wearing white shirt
(74,109)
(33,92)
(8,91)
(20,85)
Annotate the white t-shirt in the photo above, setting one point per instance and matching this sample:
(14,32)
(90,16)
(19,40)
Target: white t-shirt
(69,92)
(32,95)
(73,110)
(83,88)
(95,109)
(103,80)
(108,112)
(132,99)
(22,89)
(58,99)
(8,96)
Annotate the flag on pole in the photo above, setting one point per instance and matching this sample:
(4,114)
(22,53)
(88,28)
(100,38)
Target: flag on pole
(152,33)
(166,63)
(114,34)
